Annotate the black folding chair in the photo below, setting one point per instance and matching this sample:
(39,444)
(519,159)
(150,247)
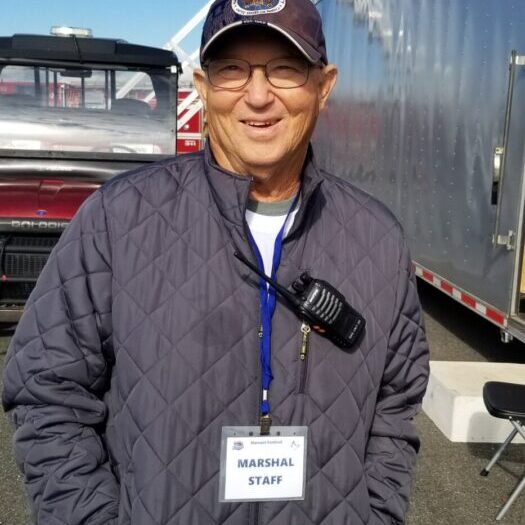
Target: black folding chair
(506,401)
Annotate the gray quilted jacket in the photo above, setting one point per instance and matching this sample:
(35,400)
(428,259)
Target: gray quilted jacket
(140,342)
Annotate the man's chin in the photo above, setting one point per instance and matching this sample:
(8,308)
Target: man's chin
(260,164)
(262,154)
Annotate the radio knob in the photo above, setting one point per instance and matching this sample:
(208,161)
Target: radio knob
(298,286)
(305,277)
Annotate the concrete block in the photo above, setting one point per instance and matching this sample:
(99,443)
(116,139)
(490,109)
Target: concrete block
(454,400)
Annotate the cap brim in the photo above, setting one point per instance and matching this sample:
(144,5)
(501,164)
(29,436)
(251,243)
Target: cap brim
(311,54)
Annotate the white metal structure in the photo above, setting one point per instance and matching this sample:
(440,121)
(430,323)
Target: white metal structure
(191,105)
(188,60)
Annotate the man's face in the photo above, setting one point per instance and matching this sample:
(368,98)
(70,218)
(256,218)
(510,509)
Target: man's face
(260,128)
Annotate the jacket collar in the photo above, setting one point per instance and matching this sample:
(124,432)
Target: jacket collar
(230,191)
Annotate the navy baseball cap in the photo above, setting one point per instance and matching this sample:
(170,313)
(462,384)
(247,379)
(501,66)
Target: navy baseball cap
(297,20)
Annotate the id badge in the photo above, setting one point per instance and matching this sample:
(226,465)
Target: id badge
(263,468)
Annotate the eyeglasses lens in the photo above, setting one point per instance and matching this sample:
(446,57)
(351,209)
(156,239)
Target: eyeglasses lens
(284,73)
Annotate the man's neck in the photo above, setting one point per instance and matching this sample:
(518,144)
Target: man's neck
(269,183)
(280,190)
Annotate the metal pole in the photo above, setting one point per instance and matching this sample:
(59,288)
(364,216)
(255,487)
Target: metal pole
(518,427)
(511,500)
(496,456)
(173,44)
(190,26)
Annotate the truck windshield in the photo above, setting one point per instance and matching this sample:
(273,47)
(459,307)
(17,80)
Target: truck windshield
(86,111)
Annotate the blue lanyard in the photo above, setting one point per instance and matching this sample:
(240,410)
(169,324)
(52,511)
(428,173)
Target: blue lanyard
(268,303)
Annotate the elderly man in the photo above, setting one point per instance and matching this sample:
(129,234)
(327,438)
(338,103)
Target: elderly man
(156,379)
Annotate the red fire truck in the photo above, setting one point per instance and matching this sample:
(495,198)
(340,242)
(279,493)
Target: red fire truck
(189,138)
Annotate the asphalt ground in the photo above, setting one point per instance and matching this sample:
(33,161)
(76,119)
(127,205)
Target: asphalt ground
(448,488)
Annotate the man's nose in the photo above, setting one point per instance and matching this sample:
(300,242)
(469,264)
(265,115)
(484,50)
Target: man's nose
(259,91)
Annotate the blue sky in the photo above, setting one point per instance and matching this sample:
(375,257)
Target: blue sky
(148,22)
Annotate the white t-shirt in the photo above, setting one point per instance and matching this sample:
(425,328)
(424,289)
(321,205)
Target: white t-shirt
(265,220)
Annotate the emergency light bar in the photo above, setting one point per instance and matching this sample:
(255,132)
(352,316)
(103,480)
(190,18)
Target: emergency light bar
(71,31)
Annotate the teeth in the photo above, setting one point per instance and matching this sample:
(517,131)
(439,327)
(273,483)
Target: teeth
(259,124)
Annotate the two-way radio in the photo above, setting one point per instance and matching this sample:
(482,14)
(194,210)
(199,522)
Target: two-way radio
(321,305)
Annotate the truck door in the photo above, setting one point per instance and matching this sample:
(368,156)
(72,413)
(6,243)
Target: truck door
(508,193)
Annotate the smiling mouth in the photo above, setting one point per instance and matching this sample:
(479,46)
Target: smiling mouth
(258,124)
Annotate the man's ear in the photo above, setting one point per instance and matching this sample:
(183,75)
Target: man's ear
(201,85)
(326,84)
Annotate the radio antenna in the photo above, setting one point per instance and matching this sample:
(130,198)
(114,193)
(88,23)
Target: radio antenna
(281,289)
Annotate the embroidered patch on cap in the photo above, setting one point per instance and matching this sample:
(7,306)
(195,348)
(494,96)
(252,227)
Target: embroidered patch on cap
(257,7)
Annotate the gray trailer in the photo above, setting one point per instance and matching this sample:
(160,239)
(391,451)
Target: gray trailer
(429,116)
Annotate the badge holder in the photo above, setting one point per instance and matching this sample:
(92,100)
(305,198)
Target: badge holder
(257,467)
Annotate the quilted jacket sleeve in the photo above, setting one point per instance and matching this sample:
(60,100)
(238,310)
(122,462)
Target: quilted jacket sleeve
(393,442)
(56,372)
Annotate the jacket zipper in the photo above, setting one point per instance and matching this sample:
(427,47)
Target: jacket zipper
(303,355)
(254,511)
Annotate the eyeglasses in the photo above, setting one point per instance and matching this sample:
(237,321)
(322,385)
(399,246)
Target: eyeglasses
(282,73)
